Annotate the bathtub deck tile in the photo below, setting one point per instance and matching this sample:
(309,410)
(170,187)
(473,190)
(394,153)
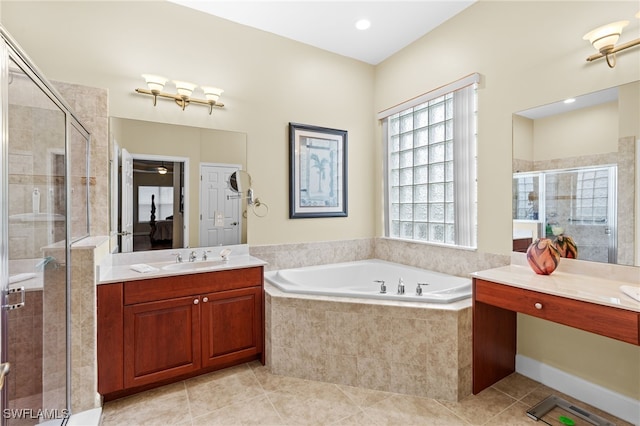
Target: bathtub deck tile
(364,344)
(341,329)
(374,373)
(341,369)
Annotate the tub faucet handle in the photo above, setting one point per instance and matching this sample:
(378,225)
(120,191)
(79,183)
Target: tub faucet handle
(400,286)
(204,254)
(178,257)
(383,288)
(419,288)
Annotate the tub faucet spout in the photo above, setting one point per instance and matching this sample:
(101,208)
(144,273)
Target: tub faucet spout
(401,286)
(383,288)
(193,256)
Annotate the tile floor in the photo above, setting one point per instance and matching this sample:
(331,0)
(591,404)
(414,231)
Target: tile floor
(249,395)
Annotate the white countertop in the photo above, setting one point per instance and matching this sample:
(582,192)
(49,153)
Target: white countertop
(587,288)
(117,267)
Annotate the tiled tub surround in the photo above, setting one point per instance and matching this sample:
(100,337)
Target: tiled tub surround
(403,347)
(452,261)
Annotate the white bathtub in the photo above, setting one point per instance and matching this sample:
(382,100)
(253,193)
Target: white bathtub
(359,279)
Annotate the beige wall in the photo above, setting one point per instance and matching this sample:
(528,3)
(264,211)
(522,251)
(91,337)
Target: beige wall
(269,81)
(588,131)
(528,54)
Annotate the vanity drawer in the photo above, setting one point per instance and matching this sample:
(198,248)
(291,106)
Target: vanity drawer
(161,288)
(620,324)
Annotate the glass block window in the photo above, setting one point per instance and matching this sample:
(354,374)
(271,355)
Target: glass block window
(431,177)
(163,201)
(592,196)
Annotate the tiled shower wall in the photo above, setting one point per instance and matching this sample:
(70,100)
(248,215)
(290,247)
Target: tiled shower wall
(91,106)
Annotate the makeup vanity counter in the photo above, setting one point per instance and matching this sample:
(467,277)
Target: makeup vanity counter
(166,325)
(588,302)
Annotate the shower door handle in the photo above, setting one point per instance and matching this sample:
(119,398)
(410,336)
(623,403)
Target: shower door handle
(12,306)
(4,370)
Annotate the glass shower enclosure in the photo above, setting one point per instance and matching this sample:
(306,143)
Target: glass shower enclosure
(44,208)
(579,202)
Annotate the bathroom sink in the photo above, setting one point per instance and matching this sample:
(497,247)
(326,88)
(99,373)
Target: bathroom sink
(193,266)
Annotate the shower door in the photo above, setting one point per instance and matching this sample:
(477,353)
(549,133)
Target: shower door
(34,247)
(580,203)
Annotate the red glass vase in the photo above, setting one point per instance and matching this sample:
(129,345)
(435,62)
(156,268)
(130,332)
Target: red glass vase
(543,256)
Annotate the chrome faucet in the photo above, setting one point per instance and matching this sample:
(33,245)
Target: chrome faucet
(419,288)
(204,254)
(400,286)
(193,256)
(178,257)
(383,288)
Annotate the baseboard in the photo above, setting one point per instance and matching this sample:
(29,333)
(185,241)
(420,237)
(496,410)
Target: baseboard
(621,406)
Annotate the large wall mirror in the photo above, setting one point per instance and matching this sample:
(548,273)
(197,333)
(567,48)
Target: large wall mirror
(170,186)
(574,173)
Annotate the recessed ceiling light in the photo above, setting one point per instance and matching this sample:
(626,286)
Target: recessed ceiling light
(363,24)
(569,101)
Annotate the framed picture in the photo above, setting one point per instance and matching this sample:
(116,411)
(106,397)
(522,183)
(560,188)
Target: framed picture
(317,172)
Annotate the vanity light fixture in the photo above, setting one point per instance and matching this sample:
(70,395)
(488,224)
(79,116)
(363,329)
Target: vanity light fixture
(184,89)
(604,39)
(162,169)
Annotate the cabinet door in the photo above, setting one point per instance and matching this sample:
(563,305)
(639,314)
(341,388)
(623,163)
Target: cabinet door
(161,340)
(231,325)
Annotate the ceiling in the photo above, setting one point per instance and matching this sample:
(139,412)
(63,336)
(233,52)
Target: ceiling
(584,101)
(330,25)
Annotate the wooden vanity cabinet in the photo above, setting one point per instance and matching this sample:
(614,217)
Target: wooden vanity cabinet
(495,308)
(159,330)
(161,340)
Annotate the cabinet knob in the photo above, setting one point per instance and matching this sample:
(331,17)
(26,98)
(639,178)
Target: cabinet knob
(205,299)
(196,301)
(538,305)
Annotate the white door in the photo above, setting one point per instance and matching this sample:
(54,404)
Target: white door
(126,210)
(220,215)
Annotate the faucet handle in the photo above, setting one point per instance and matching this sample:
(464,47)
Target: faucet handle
(383,288)
(400,286)
(419,288)
(224,254)
(178,257)
(204,254)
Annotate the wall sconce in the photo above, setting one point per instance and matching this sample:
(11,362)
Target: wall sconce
(156,83)
(604,39)
(162,169)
